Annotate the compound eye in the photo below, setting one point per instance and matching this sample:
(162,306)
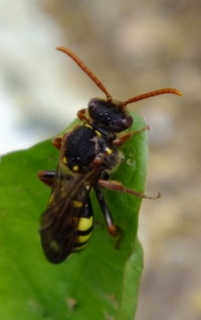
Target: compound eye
(96,108)
(127,122)
(93,103)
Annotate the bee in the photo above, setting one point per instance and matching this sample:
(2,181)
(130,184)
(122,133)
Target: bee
(88,153)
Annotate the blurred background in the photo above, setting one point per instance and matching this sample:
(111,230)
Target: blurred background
(133,47)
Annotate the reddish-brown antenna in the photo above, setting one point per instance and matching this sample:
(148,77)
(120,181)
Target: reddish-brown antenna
(151,94)
(87,71)
(103,89)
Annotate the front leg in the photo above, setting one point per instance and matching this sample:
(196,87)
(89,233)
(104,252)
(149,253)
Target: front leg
(81,114)
(121,139)
(58,141)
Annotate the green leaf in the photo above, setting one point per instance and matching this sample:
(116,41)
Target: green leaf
(101,282)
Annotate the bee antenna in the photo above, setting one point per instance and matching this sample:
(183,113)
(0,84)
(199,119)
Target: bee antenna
(151,94)
(87,71)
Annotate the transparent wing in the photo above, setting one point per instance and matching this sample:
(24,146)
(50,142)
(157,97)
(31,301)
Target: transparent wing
(59,222)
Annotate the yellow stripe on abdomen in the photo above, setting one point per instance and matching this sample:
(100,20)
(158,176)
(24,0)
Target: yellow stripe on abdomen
(85,224)
(84,231)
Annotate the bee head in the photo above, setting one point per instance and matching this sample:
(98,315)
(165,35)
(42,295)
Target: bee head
(110,114)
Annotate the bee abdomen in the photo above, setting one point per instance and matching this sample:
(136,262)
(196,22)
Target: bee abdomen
(84,228)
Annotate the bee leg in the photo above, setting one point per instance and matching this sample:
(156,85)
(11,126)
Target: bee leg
(121,139)
(46,177)
(57,142)
(81,114)
(112,229)
(117,186)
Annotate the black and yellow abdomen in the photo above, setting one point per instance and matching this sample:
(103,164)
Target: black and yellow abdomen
(85,226)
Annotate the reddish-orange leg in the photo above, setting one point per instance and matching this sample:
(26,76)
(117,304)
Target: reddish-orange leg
(57,142)
(121,139)
(81,114)
(117,186)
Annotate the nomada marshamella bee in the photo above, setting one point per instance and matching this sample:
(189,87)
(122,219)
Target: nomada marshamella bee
(88,153)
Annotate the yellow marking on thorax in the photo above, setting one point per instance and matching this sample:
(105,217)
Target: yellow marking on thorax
(108,151)
(87,125)
(75,168)
(98,133)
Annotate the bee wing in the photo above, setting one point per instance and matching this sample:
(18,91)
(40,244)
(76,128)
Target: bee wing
(60,220)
